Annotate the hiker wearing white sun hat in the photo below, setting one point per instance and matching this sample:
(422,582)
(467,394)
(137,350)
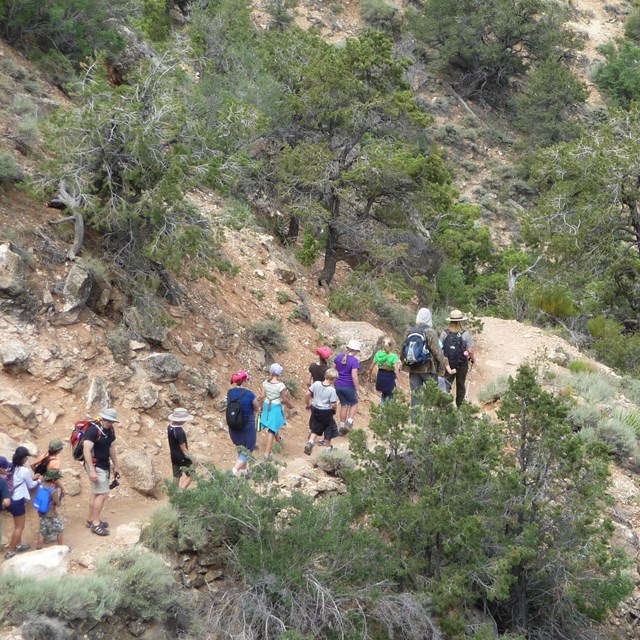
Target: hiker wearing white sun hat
(348,385)
(458,348)
(181,463)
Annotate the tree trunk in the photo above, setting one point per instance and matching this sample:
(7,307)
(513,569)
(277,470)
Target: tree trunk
(293,230)
(330,259)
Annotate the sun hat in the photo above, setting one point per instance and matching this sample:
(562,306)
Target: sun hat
(324,352)
(4,463)
(276,369)
(22,452)
(55,445)
(354,345)
(52,474)
(456,316)
(180,415)
(110,415)
(239,376)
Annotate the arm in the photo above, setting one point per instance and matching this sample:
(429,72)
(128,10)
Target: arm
(307,399)
(374,372)
(356,382)
(255,403)
(396,366)
(29,479)
(310,382)
(114,458)
(284,398)
(472,355)
(87,448)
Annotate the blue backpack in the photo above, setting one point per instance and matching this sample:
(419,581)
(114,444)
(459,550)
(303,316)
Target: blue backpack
(42,501)
(415,351)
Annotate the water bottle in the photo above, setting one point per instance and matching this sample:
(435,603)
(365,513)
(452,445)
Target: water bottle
(466,355)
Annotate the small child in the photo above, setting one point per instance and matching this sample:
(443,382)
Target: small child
(318,369)
(50,522)
(274,395)
(386,369)
(321,401)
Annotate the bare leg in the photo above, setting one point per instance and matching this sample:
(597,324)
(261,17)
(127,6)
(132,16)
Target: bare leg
(185,481)
(97,502)
(60,538)
(18,528)
(270,438)
(41,542)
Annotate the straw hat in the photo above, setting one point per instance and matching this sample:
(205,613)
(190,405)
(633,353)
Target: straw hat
(456,316)
(180,415)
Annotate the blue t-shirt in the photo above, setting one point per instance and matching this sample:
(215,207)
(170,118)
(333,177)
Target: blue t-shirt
(246,402)
(4,490)
(344,370)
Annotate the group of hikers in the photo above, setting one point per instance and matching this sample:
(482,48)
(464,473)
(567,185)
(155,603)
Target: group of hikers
(333,388)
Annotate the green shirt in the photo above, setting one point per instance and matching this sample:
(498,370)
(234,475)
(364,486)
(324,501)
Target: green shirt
(385,360)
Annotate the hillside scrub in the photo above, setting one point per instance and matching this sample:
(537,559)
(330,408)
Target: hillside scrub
(446,511)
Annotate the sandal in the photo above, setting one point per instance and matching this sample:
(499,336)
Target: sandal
(23,547)
(100,531)
(9,555)
(103,524)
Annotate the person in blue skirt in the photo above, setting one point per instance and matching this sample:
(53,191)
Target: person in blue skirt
(274,395)
(245,438)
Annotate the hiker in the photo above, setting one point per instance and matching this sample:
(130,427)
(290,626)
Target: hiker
(348,385)
(179,447)
(457,345)
(318,369)
(421,353)
(244,437)
(50,459)
(22,480)
(99,452)
(274,395)
(385,370)
(5,494)
(50,522)
(321,400)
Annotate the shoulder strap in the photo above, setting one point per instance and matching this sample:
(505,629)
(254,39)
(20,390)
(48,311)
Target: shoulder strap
(242,394)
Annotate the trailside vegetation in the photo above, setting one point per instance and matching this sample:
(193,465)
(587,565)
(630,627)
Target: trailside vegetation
(447,513)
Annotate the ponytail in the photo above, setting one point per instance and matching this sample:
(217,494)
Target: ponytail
(344,358)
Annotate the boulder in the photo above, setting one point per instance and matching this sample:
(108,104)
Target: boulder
(7,445)
(100,293)
(49,562)
(16,406)
(71,481)
(199,382)
(286,275)
(11,272)
(129,534)
(341,332)
(98,396)
(145,327)
(77,288)
(148,396)
(137,467)
(14,356)
(162,367)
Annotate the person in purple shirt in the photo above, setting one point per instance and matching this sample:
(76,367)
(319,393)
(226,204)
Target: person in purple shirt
(348,385)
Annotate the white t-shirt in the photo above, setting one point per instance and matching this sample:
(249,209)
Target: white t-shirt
(22,482)
(323,395)
(273,391)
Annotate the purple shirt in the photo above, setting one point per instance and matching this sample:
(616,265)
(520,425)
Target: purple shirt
(344,370)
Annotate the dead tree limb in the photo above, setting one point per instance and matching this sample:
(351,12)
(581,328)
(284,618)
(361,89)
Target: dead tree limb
(64,200)
(514,276)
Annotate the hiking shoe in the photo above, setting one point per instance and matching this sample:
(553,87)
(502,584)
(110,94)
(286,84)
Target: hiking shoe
(9,555)
(103,524)
(99,531)
(23,547)
(320,443)
(308,448)
(329,448)
(349,424)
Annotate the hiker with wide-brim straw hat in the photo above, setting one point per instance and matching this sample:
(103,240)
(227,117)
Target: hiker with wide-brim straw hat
(347,364)
(458,348)
(181,463)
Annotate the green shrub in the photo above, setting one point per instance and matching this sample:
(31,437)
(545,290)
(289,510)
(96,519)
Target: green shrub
(581,366)
(584,416)
(380,15)
(269,335)
(161,532)
(619,76)
(620,438)
(632,25)
(556,302)
(628,418)
(293,387)
(310,249)
(12,68)
(23,105)
(336,462)
(595,388)
(9,169)
(493,390)
(27,132)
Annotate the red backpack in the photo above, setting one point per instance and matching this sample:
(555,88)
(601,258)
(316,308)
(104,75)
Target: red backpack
(77,438)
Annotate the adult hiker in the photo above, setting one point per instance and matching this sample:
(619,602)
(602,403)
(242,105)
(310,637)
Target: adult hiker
(47,500)
(241,405)
(385,370)
(99,453)
(457,345)
(181,463)
(50,459)
(348,385)
(23,481)
(274,395)
(421,353)
(318,369)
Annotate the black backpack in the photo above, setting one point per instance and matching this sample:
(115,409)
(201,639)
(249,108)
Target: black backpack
(415,351)
(453,349)
(235,419)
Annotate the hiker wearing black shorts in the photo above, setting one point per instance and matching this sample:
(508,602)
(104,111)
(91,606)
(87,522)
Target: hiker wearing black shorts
(181,463)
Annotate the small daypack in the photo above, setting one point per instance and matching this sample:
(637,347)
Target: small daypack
(453,348)
(42,500)
(76,438)
(41,467)
(415,351)
(235,418)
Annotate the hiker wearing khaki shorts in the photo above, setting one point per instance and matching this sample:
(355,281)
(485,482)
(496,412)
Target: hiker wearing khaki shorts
(99,452)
